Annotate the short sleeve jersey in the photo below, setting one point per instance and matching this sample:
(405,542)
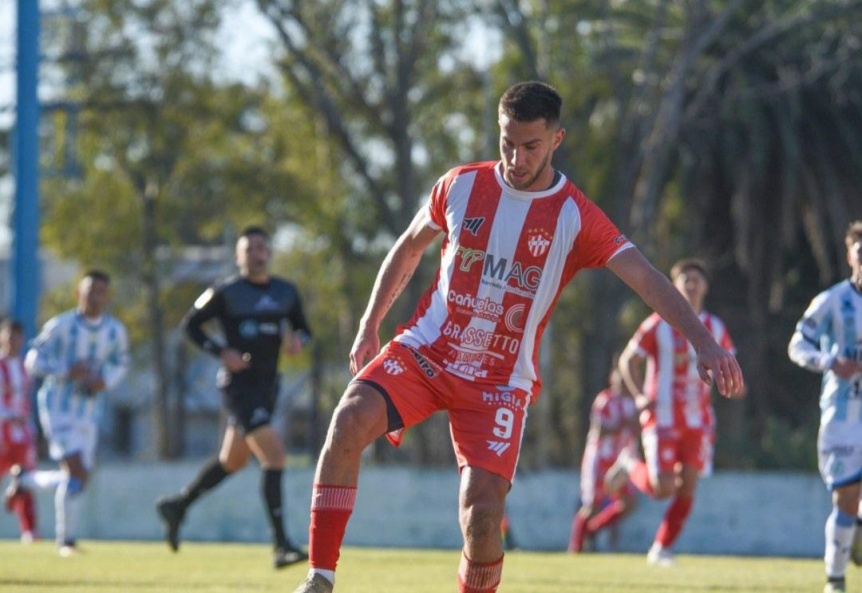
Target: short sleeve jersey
(506,256)
(68,339)
(672,381)
(832,327)
(614,412)
(14,401)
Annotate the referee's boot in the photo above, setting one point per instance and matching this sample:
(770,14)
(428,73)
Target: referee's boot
(171,511)
(287,555)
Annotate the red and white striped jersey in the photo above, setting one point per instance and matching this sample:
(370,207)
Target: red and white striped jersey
(14,401)
(613,412)
(505,258)
(672,381)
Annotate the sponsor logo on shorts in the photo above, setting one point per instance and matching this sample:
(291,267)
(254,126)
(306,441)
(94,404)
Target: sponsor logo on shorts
(466,370)
(259,415)
(503,397)
(498,447)
(393,366)
(429,369)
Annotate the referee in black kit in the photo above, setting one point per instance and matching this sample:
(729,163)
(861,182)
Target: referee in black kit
(259,314)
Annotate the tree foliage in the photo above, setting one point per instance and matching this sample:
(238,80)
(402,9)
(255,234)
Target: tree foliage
(725,129)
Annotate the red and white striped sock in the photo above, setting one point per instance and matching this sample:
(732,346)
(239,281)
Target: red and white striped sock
(474,577)
(607,516)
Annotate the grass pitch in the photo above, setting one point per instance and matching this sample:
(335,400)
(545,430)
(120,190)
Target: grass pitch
(149,567)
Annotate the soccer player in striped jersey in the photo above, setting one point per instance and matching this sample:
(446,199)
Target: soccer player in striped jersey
(677,425)
(515,232)
(17,435)
(828,340)
(613,427)
(79,354)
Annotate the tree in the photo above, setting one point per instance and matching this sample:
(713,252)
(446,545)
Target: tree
(702,110)
(389,85)
(170,152)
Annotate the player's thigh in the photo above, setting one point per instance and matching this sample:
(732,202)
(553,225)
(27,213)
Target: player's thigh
(846,498)
(839,457)
(234,451)
(408,386)
(267,447)
(487,425)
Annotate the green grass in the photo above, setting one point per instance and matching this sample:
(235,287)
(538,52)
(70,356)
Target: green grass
(144,567)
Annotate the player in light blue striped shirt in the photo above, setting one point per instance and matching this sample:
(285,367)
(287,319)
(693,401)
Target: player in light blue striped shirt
(78,354)
(828,340)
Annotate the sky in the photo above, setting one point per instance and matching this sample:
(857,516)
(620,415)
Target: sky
(247,42)
(245,59)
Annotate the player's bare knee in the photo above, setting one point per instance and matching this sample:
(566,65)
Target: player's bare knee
(359,419)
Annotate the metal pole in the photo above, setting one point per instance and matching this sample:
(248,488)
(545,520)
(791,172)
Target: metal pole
(25,245)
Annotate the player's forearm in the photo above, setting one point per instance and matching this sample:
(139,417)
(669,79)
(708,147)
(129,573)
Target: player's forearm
(807,354)
(193,326)
(394,275)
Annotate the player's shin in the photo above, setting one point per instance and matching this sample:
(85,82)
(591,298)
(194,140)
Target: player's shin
(331,507)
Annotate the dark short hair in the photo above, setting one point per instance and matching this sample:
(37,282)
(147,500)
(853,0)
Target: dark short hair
(687,264)
(854,233)
(254,230)
(12,325)
(100,275)
(531,100)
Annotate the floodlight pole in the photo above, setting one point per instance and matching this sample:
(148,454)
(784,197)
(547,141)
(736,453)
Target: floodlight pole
(25,245)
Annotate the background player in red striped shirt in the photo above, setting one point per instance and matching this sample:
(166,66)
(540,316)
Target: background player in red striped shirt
(515,232)
(613,427)
(17,435)
(677,428)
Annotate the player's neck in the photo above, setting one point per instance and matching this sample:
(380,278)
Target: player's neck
(90,315)
(257,278)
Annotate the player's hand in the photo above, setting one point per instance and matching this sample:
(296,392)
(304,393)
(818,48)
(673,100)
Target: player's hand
(845,368)
(714,363)
(365,347)
(78,371)
(643,402)
(234,360)
(94,383)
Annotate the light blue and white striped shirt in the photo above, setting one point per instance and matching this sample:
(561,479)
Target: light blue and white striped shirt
(832,327)
(70,338)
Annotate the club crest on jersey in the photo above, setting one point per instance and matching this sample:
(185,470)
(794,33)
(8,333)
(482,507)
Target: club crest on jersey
(474,224)
(393,366)
(538,241)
